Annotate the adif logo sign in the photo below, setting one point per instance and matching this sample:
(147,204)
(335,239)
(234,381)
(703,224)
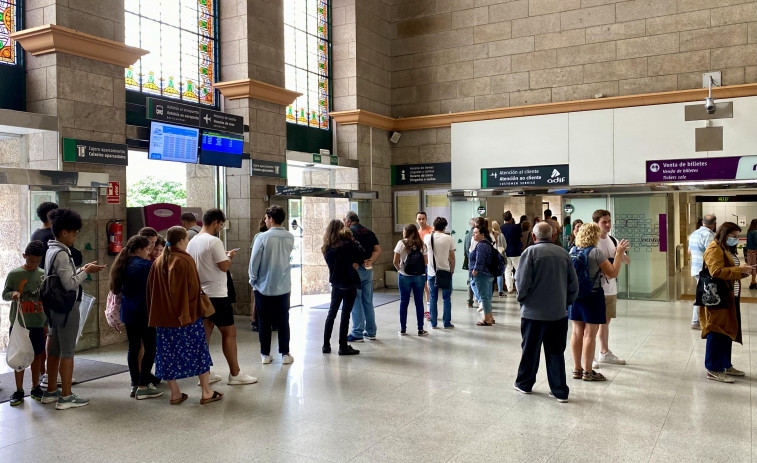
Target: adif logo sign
(556,177)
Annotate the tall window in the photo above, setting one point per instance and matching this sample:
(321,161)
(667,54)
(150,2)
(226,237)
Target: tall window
(182,38)
(8,49)
(306,46)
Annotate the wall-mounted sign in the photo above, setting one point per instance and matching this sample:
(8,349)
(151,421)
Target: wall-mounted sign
(481,210)
(682,170)
(568,209)
(261,168)
(94,152)
(281,190)
(727,199)
(193,116)
(418,174)
(114,193)
(554,175)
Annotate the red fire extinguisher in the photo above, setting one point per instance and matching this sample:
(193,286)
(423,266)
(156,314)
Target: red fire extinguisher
(115,231)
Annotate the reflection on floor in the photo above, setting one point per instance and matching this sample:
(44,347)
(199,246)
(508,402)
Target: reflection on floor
(442,398)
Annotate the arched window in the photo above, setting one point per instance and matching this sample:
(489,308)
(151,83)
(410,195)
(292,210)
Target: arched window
(306,54)
(8,47)
(182,37)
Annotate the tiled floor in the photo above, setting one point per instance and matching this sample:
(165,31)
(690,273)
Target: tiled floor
(445,397)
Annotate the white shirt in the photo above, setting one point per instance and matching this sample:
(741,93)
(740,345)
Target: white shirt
(403,252)
(207,251)
(443,244)
(609,285)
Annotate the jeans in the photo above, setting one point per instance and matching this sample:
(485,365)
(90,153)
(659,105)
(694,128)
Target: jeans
(414,284)
(553,335)
(363,315)
(717,355)
(512,267)
(138,334)
(272,310)
(433,298)
(474,290)
(346,298)
(500,282)
(484,287)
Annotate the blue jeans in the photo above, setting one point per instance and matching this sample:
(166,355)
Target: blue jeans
(363,315)
(500,283)
(484,288)
(414,284)
(434,297)
(474,289)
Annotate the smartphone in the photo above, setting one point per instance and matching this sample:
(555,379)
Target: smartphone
(235,249)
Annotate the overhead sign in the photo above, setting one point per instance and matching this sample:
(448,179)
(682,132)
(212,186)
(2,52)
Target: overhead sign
(261,168)
(193,116)
(281,190)
(95,152)
(554,175)
(682,170)
(568,209)
(114,193)
(422,174)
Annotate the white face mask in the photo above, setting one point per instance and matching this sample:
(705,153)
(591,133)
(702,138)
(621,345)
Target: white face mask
(731,241)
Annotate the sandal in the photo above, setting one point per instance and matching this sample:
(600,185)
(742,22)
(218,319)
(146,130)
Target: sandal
(577,374)
(180,399)
(483,323)
(593,376)
(215,397)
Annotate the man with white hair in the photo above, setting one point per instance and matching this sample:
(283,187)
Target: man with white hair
(698,242)
(547,284)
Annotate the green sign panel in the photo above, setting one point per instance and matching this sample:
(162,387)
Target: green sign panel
(568,208)
(95,152)
(334,160)
(261,168)
(317,158)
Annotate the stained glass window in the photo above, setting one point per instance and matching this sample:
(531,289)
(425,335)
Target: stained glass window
(182,38)
(306,54)
(8,50)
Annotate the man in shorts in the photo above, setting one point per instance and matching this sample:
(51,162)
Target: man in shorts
(213,261)
(607,245)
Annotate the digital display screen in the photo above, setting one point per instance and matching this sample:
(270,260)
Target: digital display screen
(173,143)
(221,149)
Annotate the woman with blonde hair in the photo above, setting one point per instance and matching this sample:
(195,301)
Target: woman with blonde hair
(343,256)
(588,311)
(175,310)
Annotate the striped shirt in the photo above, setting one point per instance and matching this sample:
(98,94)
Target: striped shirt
(698,242)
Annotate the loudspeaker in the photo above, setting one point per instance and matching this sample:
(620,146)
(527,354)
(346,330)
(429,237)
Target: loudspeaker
(395,137)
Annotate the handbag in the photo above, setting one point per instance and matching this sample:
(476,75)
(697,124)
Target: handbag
(20,350)
(712,292)
(443,278)
(206,305)
(113,311)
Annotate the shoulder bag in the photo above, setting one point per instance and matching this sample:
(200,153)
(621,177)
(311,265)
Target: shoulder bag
(443,278)
(712,292)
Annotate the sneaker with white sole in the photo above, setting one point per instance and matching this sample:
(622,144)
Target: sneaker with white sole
(720,376)
(734,372)
(562,401)
(286,359)
(241,379)
(265,359)
(50,397)
(72,401)
(369,337)
(594,363)
(212,378)
(522,391)
(148,393)
(611,358)
(43,380)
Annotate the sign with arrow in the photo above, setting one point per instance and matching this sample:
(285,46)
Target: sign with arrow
(553,175)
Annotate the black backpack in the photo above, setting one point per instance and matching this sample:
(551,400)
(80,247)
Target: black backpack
(414,263)
(52,294)
(495,266)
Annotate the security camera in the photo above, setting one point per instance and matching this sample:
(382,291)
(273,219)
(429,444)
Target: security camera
(709,105)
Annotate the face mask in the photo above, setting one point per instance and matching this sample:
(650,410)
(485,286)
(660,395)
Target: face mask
(731,241)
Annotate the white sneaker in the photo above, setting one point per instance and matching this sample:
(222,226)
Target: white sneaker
(594,364)
(609,357)
(240,379)
(286,359)
(265,359)
(43,380)
(720,376)
(480,307)
(212,378)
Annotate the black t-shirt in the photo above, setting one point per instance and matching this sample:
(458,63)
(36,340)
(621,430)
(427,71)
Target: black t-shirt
(366,238)
(44,235)
(340,260)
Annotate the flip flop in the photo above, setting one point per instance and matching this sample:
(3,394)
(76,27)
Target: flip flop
(180,399)
(215,397)
(483,324)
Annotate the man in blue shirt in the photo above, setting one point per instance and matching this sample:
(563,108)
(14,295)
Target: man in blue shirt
(363,315)
(270,279)
(698,242)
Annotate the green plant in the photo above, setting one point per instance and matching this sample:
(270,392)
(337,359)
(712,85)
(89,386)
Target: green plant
(151,190)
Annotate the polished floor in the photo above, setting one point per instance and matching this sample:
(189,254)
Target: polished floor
(446,397)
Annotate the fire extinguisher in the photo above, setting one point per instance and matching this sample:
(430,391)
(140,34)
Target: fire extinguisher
(115,230)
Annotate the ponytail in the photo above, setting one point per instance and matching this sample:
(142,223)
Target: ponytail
(118,270)
(173,236)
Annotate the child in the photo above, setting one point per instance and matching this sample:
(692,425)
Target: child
(22,287)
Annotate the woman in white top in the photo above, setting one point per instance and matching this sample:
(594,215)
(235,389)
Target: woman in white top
(410,260)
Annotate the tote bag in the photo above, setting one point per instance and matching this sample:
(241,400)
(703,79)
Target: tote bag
(20,349)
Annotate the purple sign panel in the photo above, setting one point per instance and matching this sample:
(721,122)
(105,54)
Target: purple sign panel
(682,170)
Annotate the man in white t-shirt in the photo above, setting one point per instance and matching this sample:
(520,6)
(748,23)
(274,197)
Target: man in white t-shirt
(607,245)
(441,256)
(212,262)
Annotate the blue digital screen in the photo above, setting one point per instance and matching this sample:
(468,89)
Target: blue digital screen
(221,149)
(173,143)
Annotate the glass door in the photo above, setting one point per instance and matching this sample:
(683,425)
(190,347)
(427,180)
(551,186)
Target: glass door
(295,227)
(642,220)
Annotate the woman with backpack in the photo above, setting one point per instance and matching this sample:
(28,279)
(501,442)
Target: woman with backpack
(481,270)
(588,311)
(410,260)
